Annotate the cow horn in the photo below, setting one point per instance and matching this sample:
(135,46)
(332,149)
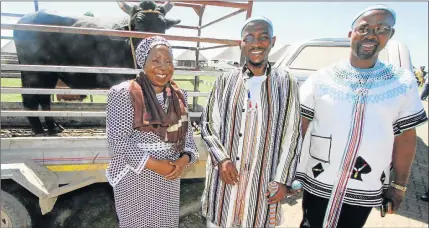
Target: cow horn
(167,6)
(125,7)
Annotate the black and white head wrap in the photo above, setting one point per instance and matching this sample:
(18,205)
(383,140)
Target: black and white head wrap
(146,45)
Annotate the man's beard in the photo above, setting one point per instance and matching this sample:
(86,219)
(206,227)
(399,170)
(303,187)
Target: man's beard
(257,65)
(365,55)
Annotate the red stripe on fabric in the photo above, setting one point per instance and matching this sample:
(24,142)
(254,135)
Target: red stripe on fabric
(350,158)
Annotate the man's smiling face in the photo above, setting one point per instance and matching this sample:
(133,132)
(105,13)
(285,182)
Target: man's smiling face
(370,34)
(256,43)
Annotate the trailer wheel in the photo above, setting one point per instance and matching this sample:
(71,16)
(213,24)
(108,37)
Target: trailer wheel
(13,213)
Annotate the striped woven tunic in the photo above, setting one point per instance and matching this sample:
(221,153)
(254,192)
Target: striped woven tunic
(263,142)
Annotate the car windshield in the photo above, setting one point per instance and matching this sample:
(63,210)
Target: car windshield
(316,57)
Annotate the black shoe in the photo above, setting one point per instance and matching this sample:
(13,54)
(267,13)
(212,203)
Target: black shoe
(424,197)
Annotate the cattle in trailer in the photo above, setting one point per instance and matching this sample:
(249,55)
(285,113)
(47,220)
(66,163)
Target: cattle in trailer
(46,48)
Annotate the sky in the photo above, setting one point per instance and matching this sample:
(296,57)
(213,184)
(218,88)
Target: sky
(293,21)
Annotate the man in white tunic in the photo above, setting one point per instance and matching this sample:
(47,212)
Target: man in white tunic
(359,119)
(251,126)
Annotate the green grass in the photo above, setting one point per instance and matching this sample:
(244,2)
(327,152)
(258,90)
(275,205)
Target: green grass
(10,82)
(186,85)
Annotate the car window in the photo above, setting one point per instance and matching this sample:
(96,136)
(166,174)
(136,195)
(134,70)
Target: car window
(316,57)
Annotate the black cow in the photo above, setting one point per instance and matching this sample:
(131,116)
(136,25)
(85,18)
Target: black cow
(43,48)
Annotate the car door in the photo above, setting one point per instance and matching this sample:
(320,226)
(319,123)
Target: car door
(312,56)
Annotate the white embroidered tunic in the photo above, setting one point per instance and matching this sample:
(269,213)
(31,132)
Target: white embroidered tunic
(361,110)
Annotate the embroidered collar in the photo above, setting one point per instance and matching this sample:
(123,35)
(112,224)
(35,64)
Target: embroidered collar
(383,81)
(346,70)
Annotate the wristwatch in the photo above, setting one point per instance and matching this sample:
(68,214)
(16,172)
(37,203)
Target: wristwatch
(397,186)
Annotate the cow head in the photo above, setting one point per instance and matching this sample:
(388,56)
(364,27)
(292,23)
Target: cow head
(149,16)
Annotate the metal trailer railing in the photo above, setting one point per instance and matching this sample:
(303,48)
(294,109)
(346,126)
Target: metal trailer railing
(197,6)
(15,90)
(59,29)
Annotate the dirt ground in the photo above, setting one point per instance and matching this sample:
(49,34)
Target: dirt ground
(93,206)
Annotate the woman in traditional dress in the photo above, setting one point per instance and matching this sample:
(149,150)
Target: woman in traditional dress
(150,139)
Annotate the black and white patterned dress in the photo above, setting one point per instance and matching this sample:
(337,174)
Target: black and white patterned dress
(143,198)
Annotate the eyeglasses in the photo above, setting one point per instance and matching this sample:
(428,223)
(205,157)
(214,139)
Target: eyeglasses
(380,30)
(250,39)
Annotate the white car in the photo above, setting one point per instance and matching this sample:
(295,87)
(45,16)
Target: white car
(223,65)
(305,57)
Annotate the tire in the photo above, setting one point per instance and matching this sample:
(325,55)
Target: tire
(13,213)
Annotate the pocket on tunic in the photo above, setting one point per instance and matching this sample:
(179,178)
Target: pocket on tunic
(320,147)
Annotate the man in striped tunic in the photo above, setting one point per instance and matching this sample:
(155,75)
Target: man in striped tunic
(251,126)
(359,123)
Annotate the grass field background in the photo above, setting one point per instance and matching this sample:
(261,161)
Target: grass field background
(204,86)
